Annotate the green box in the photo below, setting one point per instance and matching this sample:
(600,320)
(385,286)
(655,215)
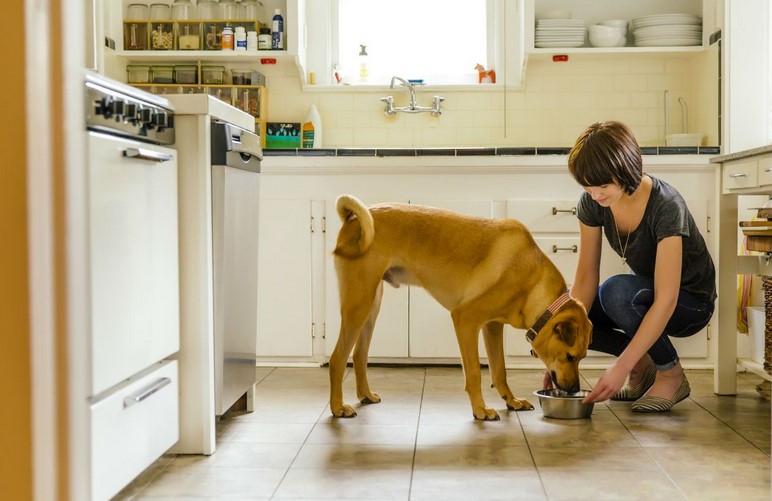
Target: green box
(282,135)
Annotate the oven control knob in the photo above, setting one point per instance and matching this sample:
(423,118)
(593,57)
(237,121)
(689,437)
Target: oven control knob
(131,113)
(144,116)
(104,107)
(159,120)
(119,109)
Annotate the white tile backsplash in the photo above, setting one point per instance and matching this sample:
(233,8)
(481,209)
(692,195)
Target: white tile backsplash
(557,102)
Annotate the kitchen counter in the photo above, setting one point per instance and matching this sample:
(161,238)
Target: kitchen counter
(480,151)
(761,150)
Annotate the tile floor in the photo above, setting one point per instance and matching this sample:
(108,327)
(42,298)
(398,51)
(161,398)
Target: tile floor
(421,443)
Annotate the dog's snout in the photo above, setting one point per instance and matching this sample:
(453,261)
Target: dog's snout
(554,378)
(574,388)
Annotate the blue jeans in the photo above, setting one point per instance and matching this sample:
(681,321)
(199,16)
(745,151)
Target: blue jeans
(618,311)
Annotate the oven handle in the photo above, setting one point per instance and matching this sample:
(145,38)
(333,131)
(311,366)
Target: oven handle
(144,154)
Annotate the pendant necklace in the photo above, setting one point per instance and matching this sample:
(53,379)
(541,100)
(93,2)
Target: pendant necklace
(623,249)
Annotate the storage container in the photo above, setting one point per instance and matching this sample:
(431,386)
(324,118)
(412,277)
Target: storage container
(188,36)
(241,77)
(186,74)
(221,93)
(136,73)
(214,75)
(162,36)
(162,74)
(135,36)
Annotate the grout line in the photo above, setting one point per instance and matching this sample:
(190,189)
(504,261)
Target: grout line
(415,442)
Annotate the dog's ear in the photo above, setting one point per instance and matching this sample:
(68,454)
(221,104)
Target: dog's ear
(566,331)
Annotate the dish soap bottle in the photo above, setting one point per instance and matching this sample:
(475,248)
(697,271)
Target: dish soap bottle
(311,130)
(277,31)
(364,71)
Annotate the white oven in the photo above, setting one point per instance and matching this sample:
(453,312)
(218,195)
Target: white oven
(134,282)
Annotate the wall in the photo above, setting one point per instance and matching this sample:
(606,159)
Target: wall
(557,102)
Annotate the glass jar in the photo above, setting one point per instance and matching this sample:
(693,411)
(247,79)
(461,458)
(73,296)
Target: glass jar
(160,12)
(182,10)
(137,12)
(207,10)
(254,11)
(228,10)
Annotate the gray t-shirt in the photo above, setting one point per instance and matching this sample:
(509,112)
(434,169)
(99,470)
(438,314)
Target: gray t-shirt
(666,215)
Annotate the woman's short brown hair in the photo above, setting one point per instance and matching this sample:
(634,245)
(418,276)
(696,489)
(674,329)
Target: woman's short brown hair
(605,153)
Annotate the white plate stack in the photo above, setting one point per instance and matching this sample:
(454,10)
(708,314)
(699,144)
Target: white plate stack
(559,33)
(667,30)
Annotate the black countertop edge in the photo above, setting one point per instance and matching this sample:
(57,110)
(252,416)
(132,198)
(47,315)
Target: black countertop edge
(482,151)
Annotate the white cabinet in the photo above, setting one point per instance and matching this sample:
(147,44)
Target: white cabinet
(285,278)
(390,336)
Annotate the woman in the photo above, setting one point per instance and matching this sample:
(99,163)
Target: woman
(671,290)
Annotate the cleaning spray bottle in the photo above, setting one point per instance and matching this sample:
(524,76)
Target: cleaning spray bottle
(311,130)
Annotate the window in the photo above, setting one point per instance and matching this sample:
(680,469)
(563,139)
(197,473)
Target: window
(437,41)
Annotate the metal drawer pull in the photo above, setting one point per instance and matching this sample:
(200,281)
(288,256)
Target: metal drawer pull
(555,211)
(737,175)
(145,154)
(768,169)
(573,248)
(143,394)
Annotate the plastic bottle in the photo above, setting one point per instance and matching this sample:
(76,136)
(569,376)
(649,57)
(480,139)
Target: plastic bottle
(277,31)
(311,129)
(240,39)
(251,40)
(227,38)
(364,71)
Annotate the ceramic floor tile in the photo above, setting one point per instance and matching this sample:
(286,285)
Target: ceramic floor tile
(354,456)
(359,484)
(422,442)
(594,485)
(474,484)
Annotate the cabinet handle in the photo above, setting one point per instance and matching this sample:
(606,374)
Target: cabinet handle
(146,392)
(145,154)
(555,211)
(737,175)
(768,169)
(574,248)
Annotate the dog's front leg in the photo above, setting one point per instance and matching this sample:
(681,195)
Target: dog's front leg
(493,335)
(467,333)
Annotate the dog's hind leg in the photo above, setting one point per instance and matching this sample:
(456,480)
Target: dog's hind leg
(354,312)
(493,335)
(467,327)
(364,394)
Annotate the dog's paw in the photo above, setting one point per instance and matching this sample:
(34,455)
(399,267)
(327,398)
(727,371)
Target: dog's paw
(519,404)
(487,414)
(345,412)
(373,398)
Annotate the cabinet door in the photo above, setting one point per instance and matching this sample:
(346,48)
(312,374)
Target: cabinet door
(431,329)
(285,273)
(391,328)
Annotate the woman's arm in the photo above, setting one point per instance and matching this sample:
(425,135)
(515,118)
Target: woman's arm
(667,283)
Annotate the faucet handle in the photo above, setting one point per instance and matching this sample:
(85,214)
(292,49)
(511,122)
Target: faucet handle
(389,100)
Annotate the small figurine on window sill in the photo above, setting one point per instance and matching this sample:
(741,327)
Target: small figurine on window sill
(484,76)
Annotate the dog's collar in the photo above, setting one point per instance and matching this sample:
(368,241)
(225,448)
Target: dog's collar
(555,306)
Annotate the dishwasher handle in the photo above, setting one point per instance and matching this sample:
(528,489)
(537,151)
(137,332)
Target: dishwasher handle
(145,154)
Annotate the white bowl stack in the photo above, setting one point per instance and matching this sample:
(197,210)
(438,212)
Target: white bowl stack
(667,30)
(551,33)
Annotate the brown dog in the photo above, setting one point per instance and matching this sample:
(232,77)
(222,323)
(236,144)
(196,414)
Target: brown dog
(486,272)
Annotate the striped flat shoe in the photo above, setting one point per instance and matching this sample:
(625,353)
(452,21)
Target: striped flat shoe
(629,393)
(657,404)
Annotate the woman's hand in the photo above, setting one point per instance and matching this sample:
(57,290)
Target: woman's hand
(547,382)
(608,385)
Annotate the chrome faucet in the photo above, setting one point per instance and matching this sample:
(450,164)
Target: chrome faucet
(410,89)
(435,109)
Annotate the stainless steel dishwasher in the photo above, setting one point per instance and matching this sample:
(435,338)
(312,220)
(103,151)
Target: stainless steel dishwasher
(236,156)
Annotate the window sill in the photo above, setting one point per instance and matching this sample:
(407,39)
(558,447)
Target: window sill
(359,87)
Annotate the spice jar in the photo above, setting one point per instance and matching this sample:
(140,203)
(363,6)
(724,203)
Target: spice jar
(264,39)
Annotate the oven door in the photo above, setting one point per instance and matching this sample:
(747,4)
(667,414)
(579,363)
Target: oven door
(134,257)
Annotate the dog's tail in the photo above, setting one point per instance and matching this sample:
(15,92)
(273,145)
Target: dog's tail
(353,241)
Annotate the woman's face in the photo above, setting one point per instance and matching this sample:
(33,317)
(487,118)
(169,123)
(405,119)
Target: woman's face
(605,194)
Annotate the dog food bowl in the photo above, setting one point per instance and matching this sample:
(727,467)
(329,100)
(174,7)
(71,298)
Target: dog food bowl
(559,404)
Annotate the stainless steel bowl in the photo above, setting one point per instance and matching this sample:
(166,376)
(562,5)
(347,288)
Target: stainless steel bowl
(560,404)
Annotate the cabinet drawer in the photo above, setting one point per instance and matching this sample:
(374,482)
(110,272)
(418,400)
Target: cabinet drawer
(133,427)
(765,171)
(545,215)
(737,175)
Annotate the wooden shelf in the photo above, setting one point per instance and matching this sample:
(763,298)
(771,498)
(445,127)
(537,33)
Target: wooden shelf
(546,53)
(225,56)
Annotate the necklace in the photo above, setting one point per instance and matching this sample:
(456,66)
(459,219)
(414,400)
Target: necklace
(623,249)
